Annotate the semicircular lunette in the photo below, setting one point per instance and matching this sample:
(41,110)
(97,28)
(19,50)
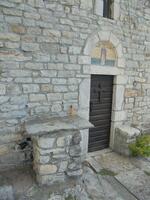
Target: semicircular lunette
(104,54)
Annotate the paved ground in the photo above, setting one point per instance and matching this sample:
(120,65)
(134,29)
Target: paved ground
(131,174)
(107,176)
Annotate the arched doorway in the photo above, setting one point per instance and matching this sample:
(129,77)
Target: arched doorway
(101,94)
(107,65)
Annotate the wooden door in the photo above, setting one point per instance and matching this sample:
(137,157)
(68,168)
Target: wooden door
(100,111)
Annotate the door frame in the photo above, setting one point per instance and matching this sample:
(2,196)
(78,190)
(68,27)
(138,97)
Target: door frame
(99,76)
(118,112)
(118,115)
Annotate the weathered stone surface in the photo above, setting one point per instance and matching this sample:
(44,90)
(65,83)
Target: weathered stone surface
(61,141)
(18,29)
(134,181)
(75,173)
(43,159)
(63,166)
(44,124)
(13,56)
(56,108)
(3,99)
(93,187)
(51,179)
(37,97)
(6,193)
(9,36)
(31,88)
(75,151)
(76,139)
(45,142)
(2,89)
(124,136)
(49,44)
(128,132)
(54,97)
(30,47)
(47,169)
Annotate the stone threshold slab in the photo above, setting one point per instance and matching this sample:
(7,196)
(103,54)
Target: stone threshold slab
(44,124)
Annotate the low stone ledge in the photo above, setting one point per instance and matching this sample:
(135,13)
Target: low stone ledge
(124,135)
(145,128)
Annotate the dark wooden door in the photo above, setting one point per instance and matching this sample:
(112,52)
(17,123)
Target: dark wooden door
(100,111)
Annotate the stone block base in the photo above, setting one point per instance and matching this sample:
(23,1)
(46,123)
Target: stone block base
(124,136)
(57,156)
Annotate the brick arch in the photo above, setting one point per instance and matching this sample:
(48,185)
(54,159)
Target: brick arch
(105,36)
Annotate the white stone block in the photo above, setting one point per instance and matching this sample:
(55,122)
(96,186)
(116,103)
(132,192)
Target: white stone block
(45,142)
(84,94)
(99,7)
(118,97)
(118,116)
(116,8)
(61,142)
(84,142)
(83,60)
(86,4)
(30,88)
(120,80)
(121,62)
(114,40)
(54,96)
(37,97)
(47,169)
(56,108)
(91,43)
(104,35)
(119,51)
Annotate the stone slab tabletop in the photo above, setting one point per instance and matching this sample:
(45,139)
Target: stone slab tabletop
(44,124)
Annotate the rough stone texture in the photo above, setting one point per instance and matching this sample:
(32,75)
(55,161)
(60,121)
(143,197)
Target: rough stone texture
(54,160)
(44,124)
(6,193)
(41,41)
(135,180)
(92,186)
(124,136)
(56,147)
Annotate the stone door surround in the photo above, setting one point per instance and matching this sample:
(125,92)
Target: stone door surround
(120,80)
(56,147)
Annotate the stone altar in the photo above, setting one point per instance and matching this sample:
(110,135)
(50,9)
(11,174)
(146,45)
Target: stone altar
(56,147)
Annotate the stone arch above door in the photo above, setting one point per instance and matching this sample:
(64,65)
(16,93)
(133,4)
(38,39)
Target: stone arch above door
(106,36)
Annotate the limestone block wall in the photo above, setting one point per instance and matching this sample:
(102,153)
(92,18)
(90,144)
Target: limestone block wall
(42,61)
(57,156)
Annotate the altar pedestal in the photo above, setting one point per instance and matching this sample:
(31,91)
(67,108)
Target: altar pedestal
(56,147)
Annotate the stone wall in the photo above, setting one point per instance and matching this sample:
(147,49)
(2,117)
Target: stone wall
(43,65)
(57,156)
